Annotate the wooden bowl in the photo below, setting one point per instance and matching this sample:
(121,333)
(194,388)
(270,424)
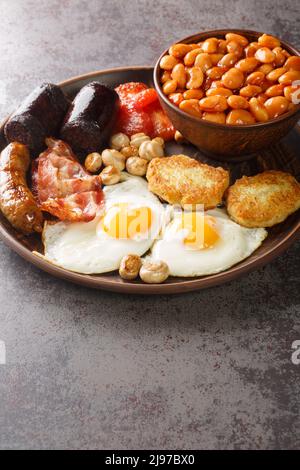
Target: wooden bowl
(221,141)
(284,156)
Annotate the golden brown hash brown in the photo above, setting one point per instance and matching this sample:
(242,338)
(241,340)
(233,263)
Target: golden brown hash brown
(263,200)
(182,180)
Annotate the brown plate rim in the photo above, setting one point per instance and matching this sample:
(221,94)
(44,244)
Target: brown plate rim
(118,285)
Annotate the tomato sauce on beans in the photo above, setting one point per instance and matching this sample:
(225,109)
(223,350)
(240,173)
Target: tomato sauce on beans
(231,80)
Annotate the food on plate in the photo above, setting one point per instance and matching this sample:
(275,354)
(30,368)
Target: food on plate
(138,139)
(63,187)
(263,200)
(130,221)
(119,141)
(90,118)
(16,200)
(224,75)
(134,153)
(151,149)
(140,112)
(178,137)
(130,151)
(154,272)
(110,175)
(109,214)
(39,116)
(137,166)
(113,157)
(130,266)
(182,180)
(93,162)
(203,243)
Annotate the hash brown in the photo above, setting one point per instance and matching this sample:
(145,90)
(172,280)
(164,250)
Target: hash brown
(263,200)
(183,180)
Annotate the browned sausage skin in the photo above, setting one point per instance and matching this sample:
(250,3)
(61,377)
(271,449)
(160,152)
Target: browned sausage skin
(16,200)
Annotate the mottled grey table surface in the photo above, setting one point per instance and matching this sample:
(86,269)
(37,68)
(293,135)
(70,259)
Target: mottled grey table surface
(87,369)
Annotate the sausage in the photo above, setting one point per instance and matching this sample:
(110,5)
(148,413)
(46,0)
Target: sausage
(90,119)
(16,200)
(39,116)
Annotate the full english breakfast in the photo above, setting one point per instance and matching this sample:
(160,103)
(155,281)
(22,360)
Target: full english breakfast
(93,178)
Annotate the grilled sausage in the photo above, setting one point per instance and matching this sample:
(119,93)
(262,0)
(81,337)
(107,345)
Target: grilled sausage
(90,118)
(16,200)
(39,116)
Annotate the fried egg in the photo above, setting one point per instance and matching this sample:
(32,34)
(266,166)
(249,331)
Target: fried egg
(203,243)
(130,221)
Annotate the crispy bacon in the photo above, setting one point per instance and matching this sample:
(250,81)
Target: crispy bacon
(62,186)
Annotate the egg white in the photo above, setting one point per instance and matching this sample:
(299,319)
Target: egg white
(235,244)
(84,247)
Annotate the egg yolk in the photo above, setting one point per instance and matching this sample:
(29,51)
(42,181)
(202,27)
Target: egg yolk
(201,230)
(122,221)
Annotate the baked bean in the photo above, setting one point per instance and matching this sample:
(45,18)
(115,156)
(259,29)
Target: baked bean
(189,58)
(293,63)
(265,68)
(228,60)
(191,107)
(237,117)
(215,58)
(262,97)
(193,94)
(237,102)
(196,78)
(169,87)
(266,40)
(219,118)
(207,83)
(237,38)
(219,91)
(233,79)
(275,74)
(222,43)
(217,84)
(212,104)
(274,90)
(166,75)
(247,65)
(180,50)
(264,55)
(258,110)
(292,92)
(179,74)
(234,47)
(251,49)
(280,58)
(266,84)
(255,78)
(167,62)
(276,106)
(250,90)
(203,61)
(210,45)
(290,76)
(176,98)
(215,73)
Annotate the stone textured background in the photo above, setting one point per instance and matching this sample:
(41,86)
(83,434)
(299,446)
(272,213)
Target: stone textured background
(88,369)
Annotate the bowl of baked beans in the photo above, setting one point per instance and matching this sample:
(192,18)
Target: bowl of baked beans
(231,93)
